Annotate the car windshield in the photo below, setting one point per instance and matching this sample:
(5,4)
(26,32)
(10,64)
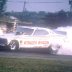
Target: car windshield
(24,31)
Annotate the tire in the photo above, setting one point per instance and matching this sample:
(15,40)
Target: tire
(53,50)
(14,45)
(50,51)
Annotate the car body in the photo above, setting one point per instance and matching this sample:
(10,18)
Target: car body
(32,37)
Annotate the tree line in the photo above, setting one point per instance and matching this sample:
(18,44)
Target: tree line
(2,7)
(60,18)
(56,19)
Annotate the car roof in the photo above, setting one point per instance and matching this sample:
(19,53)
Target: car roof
(33,27)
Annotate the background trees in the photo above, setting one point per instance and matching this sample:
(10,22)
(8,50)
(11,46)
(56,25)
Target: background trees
(57,19)
(42,18)
(2,6)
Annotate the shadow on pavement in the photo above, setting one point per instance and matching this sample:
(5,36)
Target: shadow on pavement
(3,49)
(26,50)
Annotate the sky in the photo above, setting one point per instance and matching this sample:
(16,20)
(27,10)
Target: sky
(48,7)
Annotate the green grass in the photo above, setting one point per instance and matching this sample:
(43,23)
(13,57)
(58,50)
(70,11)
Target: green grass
(34,65)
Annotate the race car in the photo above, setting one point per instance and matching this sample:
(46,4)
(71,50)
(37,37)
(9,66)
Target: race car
(33,37)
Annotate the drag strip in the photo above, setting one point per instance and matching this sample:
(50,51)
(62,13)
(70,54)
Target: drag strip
(22,54)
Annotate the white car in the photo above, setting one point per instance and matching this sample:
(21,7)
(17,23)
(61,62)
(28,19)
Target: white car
(33,37)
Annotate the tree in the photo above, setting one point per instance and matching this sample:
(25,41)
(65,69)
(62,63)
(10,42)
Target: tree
(2,6)
(57,19)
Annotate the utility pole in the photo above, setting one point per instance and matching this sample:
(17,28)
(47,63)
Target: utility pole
(24,6)
(70,3)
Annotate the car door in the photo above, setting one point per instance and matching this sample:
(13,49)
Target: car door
(26,39)
(42,37)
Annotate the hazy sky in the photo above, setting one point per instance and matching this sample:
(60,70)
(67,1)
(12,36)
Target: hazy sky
(48,7)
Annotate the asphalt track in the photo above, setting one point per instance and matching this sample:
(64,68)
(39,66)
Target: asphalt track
(33,55)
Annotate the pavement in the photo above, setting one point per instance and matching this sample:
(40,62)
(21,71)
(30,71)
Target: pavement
(34,55)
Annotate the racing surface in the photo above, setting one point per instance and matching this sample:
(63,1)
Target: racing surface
(33,55)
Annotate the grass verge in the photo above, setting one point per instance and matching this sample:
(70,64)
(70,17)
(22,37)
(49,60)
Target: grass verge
(34,65)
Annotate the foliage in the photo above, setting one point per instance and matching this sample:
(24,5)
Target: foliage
(34,17)
(2,6)
(60,18)
(56,19)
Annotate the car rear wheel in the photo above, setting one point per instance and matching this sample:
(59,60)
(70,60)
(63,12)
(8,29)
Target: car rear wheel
(53,49)
(13,45)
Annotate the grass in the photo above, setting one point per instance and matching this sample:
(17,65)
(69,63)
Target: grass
(34,65)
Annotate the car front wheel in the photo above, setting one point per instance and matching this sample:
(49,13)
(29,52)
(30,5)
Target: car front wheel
(13,45)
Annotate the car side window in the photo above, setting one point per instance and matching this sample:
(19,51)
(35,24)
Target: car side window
(24,31)
(40,32)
